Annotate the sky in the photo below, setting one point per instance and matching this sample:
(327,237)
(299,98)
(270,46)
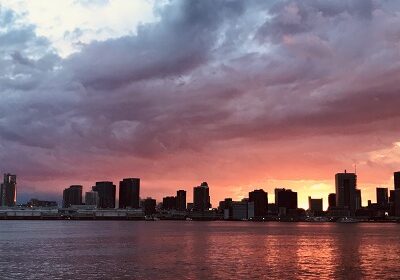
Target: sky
(241,94)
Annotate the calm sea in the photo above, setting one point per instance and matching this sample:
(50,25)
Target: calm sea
(197,250)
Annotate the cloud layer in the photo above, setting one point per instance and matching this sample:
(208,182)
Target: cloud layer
(242,94)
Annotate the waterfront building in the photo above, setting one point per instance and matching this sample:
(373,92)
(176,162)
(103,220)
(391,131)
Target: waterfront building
(286,198)
(358,199)
(201,198)
(346,184)
(181,200)
(315,204)
(8,190)
(169,203)
(382,197)
(129,189)
(331,200)
(149,206)
(72,196)
(260,199)
(41,203)
(106,191)
(92,198)
(396,176)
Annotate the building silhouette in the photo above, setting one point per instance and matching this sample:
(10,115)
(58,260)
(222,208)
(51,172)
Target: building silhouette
(331,200)
(72,196)
(286,198)
(358,199)
(8,190)
(129,193)
(201,198)
(396,195)
(181,200)
(106,191)
(92,198)
(396,176)
(315,204)
(149,206)
(346,184)
(260,199)
(169,203)
(382,197)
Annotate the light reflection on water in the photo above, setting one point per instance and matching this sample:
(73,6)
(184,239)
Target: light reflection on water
(197,250)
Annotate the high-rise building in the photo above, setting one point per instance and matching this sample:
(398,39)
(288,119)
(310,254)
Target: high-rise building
(181,200)
(358,199)
(315,204)
(8,190)
(149,206)
(346,184)
(92,198)
(72,196)
(286,198)
(331,200)
(396,195)
(106,191)
(277,190)
(169,203)
(260,199)
(129,193)
(201,198)
(396,180)
(382,197)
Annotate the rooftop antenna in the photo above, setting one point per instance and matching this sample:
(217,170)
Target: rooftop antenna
(355,168)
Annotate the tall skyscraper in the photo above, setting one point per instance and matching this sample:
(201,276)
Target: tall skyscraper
(181,200)
(286,198)
(331,200)
(358,199)
(8,190)
(346,184)
(72,196)
(106,191)
(382,197)
(396,180)
(260,199)
(129,193)
(92,198)
(201,197)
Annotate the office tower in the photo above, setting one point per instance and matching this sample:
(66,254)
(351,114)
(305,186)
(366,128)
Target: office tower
(92,198)
(382,197)
(181,200)
(286,198)
(331,200)
(106,191)
(396,180)
(346,190)
(149,206)
(8,190)
(315,204)
(396,195)
(260,199)
(201,198)
(129,193)
(277,190)
(72,196)
(239,210)
(358,199)
(169,203)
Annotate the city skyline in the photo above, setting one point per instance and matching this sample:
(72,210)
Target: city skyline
(241,94)
(346,194)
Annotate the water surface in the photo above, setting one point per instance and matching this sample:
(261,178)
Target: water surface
(197,250)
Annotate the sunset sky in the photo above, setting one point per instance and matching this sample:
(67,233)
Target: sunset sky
(241,94)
